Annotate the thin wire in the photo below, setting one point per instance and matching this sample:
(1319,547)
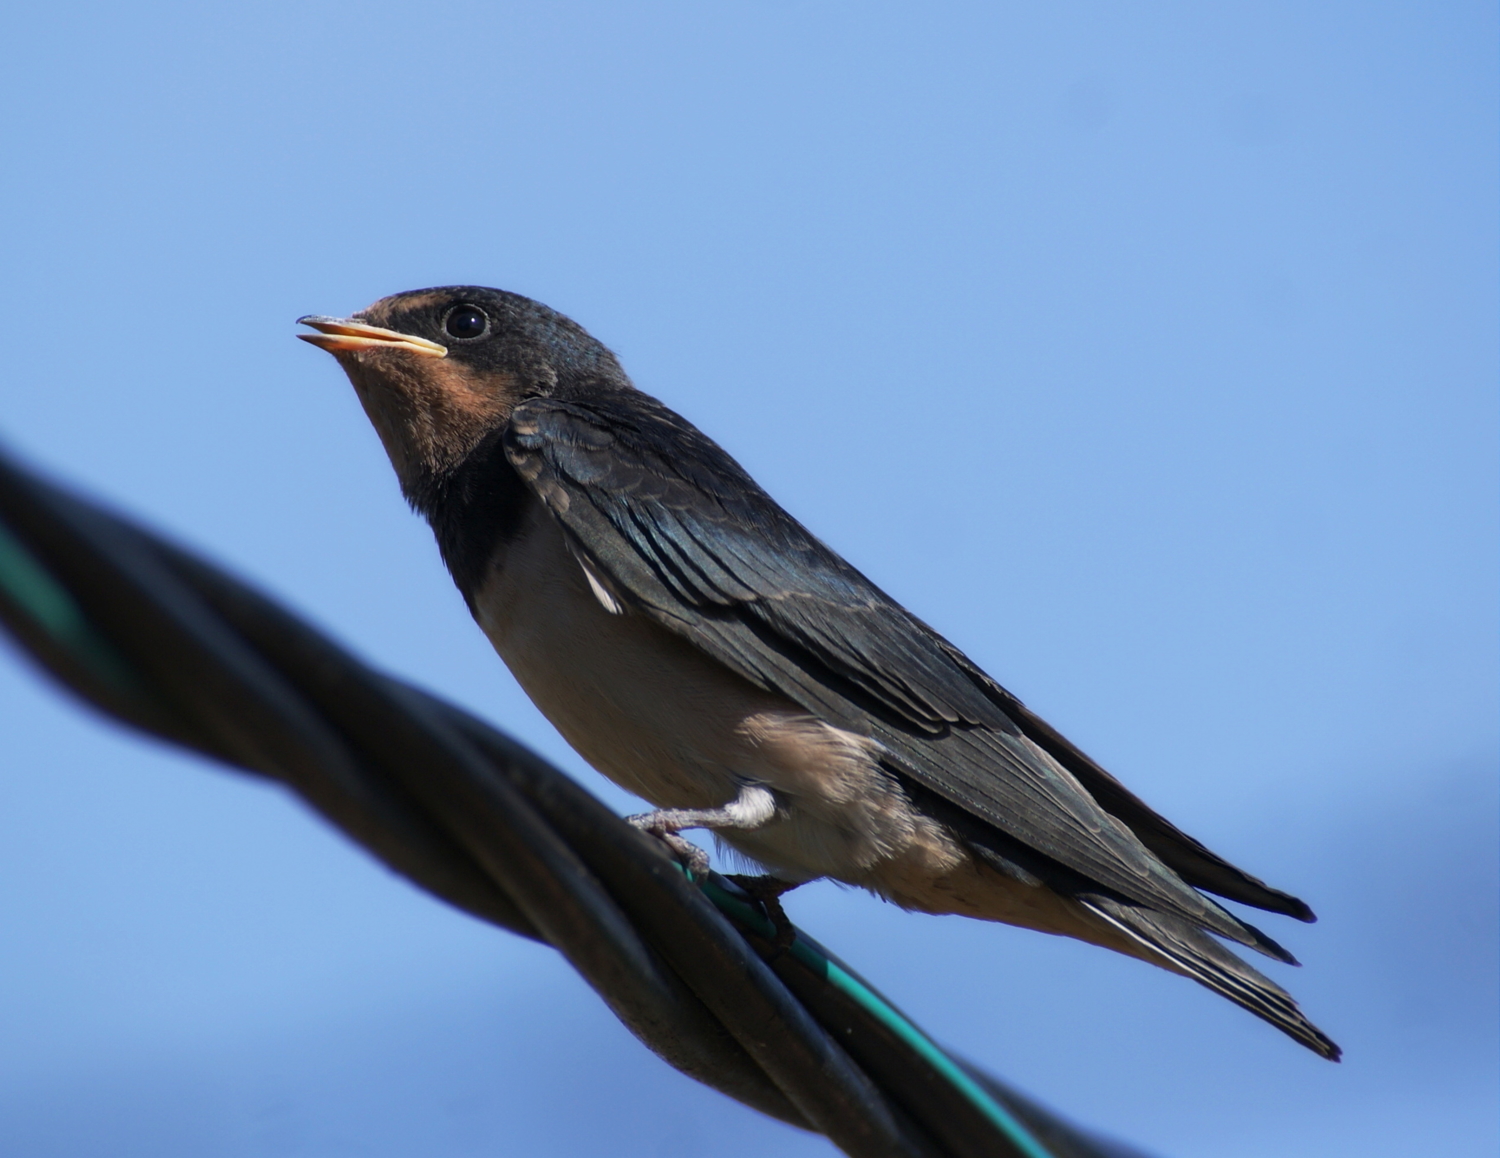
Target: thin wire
(887,1014)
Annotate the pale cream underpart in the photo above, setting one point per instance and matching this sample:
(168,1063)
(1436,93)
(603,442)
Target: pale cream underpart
(671,725)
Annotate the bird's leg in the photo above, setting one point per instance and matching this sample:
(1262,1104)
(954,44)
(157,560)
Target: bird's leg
(767,891)
(750,809)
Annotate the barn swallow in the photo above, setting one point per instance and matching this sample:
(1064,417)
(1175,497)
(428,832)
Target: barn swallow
(699,647)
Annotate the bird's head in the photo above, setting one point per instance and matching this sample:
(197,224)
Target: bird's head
(437,370)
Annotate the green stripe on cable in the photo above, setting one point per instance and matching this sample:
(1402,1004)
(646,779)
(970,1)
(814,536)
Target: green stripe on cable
(892,1018)
(31,587)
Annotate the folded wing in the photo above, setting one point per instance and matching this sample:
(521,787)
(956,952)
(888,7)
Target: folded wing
(687,538)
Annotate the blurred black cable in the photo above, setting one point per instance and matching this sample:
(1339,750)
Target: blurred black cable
(159,639)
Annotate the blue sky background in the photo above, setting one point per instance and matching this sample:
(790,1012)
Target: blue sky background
(1147,352)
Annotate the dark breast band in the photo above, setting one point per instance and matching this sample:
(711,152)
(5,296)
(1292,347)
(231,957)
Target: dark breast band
(474,510)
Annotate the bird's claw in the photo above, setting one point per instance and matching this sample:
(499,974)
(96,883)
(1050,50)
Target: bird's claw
(692,858)
(766,891)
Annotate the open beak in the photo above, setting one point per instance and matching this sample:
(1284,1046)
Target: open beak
(343,335)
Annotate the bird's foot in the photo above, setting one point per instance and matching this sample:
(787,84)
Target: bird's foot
(752,807)
(767,891)
(659,825)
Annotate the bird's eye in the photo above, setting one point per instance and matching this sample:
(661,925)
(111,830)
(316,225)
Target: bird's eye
(466,322)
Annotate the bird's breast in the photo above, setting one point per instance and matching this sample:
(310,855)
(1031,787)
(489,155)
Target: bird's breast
(644,707)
